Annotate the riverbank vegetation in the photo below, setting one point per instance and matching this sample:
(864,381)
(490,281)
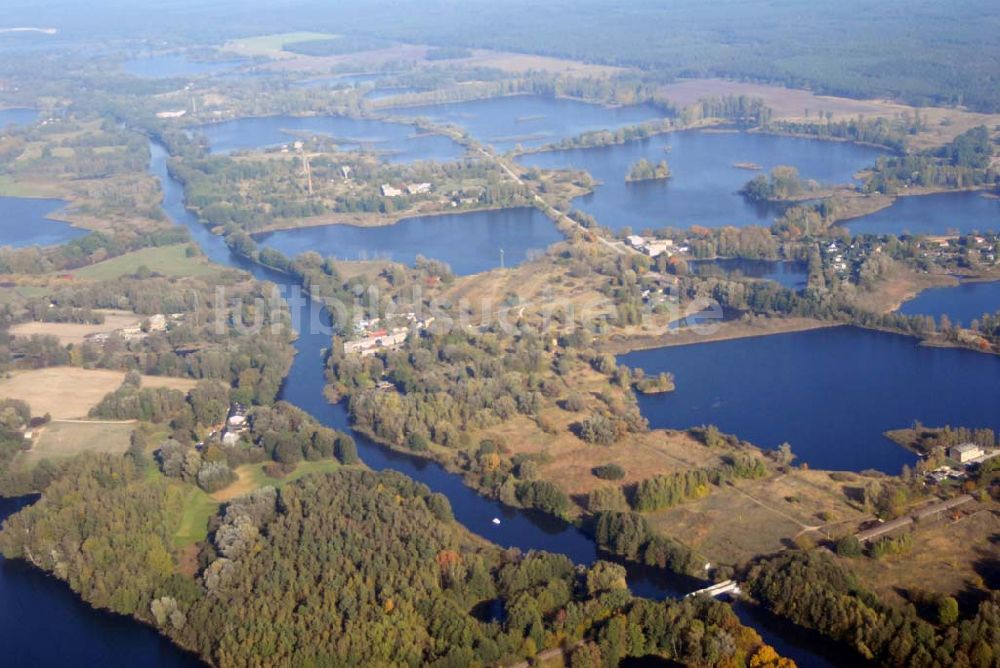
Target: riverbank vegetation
(342,529)
(813,591)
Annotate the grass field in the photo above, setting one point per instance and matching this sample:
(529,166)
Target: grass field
(736,522)
(961,552)
(65,439)
(199,507)
(70,392)
(71,332)
(11,188)
(252,476)
(164,260)
(272,45)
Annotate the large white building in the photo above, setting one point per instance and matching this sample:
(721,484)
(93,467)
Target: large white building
(965,452)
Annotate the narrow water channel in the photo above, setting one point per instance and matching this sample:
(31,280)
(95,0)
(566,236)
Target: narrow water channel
(524,529)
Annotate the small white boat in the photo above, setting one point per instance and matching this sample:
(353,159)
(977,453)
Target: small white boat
(496,520)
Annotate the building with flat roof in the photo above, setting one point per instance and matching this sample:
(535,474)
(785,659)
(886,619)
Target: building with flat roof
(965,452)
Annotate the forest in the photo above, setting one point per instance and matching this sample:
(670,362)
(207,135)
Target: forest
(317,546)
(813,591)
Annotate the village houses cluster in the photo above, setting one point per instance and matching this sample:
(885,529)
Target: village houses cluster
(155,323)
(371,336)
(654,247)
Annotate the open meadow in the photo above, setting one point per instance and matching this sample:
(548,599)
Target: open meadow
(68,393)
(58,440)
(73,332)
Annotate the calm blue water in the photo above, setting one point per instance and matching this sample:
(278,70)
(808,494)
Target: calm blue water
(831,393)
(23,222)
(705,184)
(468,242)
(530,120)
(524,529)
(35,609)
(17,117)
(175,65)
(962,304)
(942,213)
(398,143)
(43,623)
(792,275)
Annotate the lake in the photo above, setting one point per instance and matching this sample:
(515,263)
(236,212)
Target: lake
(17,117)
(530,120)
(705,183)
(175,65)
(788,274)
(941,213)
(24,222)
(525,529)
(43,623)
(831,393)
(962,303)
(395,141)
(469,242)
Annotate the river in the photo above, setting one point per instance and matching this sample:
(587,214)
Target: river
(525,529)
(96,637)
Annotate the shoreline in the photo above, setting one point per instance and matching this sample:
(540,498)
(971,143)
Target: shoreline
(735,329)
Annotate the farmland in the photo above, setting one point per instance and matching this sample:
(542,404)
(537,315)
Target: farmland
(68,393)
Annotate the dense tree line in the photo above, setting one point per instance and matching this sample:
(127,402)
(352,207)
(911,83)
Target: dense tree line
(286,578)
(86,250)
(668,490)
(810,589)
(877,131)
(964,163)
(629,535)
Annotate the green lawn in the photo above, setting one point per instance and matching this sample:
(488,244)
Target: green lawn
(199,507)
(165,260)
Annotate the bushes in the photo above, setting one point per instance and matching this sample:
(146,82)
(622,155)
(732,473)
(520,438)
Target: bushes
(607,498)
(609,472)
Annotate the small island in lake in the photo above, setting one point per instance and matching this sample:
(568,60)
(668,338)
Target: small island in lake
(644,170)
(660,384)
